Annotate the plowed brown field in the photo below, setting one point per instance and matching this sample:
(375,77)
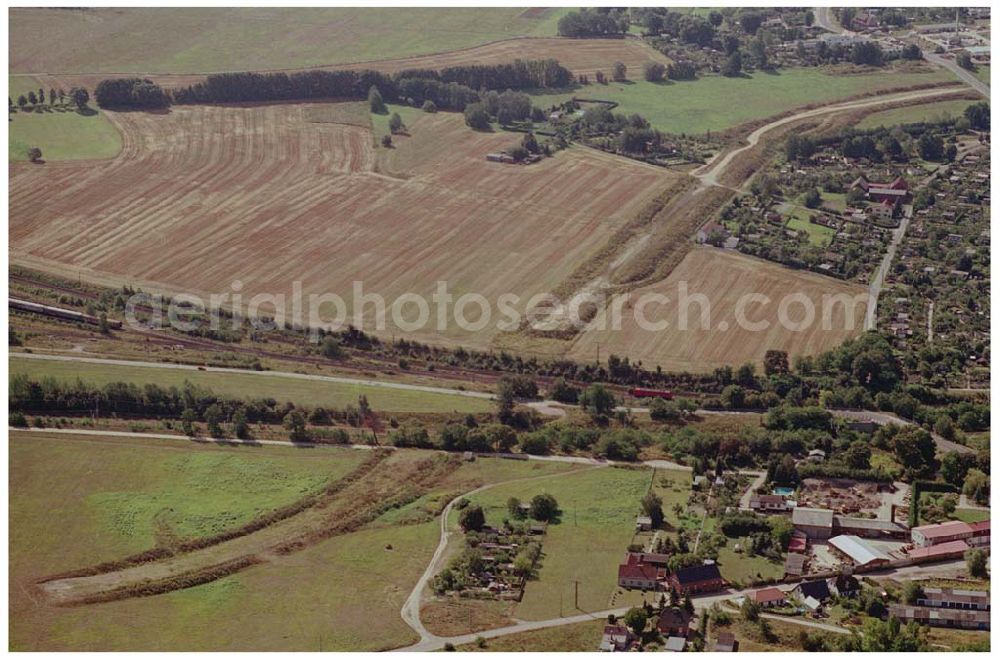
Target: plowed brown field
(202,196)
(723,277)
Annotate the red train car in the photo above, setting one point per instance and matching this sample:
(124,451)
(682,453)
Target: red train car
(645,393)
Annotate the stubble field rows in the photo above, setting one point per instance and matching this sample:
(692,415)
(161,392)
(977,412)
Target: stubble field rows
(201,197)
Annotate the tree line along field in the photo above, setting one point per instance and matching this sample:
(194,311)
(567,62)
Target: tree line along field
(708,104)
(114,498)
(251,385)
(61,132)
(183,40)
(206,195)
(723,276)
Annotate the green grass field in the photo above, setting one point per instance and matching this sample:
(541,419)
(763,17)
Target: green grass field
(184,40)
(98,500)
(798,220)
(715,103)
(62,518)
(599,508)
(916,113)
(264,384)
(739,567)
(971,515)
(61,134)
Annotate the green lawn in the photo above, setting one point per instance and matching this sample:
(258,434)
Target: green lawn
(61,134)
(834,201)
(599,508)
(262,384)
(971,515)
(183,40)
(798,220)
(716,102)
(740,567)
(916,113)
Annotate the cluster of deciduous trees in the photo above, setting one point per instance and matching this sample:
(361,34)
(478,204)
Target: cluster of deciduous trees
(594,22)
(139,93)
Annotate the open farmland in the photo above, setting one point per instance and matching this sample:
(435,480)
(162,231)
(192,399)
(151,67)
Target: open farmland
(723,277)
(707,104)
(181,40)
(330,589)
(581,56)
(203,196)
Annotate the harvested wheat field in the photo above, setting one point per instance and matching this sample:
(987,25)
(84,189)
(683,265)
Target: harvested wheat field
(581,56)
(203,196)
(724,278)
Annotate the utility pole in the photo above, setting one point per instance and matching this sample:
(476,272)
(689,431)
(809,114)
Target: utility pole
(576,594)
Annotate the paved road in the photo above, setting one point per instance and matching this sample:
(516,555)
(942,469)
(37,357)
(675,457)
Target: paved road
(825,19)
(262,374)
(878,277)
(965,76)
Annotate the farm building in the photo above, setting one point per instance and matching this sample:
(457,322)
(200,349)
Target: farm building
(858,551)
(697,579)
(817,589)
(616,638)
(942,617)
(798,542)
(634,574)
(769,597)
(869,527)
(959,599)
(643,523)
(499,157)
(844,585)
(939,552)
(769,503)
(674,621)
(953,530)
(795,564)
(675,644)
(725,643)
(654,558)
(814,523)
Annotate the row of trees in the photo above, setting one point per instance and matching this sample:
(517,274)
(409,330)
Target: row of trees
(452,87)
(594,22)
(78,96)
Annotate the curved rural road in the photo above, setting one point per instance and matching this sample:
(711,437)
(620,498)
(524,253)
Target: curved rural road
(709,173)
(411,608)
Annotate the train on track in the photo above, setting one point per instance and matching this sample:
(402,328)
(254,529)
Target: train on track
(59,313)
